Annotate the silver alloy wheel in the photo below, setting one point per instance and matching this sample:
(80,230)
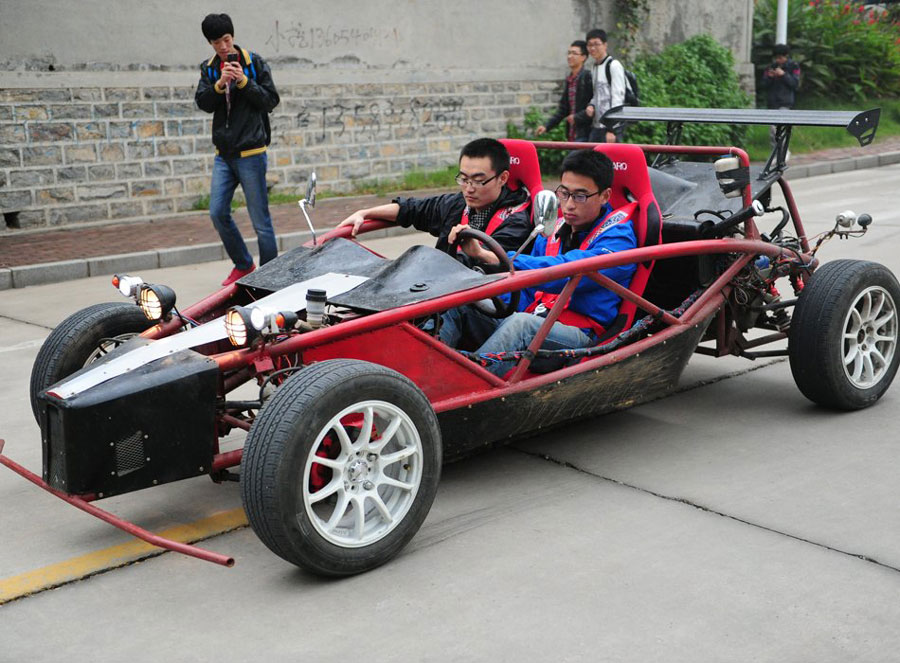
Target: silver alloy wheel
(870,337)
(374,479)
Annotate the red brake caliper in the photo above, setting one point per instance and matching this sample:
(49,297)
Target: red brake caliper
(319,475)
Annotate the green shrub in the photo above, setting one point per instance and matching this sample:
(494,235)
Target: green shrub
(550,160)
(698,73)
(846,50)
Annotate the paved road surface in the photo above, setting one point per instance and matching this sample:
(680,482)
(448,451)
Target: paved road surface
(733,521)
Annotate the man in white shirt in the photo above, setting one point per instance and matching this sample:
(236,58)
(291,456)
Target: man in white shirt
(608,92)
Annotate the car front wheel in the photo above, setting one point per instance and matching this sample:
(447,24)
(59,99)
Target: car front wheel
(844,332)
(81,339)
(341,467)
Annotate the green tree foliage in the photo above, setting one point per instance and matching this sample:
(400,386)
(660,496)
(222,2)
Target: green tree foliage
(846,50)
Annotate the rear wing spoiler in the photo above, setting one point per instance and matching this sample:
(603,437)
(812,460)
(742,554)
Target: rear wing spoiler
(861,125)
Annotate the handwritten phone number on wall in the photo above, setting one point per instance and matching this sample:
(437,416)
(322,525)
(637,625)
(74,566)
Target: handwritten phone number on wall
(297,36)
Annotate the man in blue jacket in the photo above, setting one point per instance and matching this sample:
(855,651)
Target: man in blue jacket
(236,87)
(590,227)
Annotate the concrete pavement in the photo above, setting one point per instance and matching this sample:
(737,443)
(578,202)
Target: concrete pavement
(733,521)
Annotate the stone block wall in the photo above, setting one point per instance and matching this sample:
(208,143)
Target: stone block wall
(86,154)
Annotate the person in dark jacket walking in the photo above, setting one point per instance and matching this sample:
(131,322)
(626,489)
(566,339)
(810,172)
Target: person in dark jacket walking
(236,86)
(484,202)
(577,93)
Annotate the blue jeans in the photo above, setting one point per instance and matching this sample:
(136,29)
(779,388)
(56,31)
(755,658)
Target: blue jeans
(250,173)
(509,334)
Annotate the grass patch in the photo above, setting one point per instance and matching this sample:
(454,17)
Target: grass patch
(811,139)
(412,181)
(444,178)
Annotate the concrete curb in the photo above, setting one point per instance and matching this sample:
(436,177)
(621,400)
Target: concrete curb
(67,270)
(54,272)
(842,165)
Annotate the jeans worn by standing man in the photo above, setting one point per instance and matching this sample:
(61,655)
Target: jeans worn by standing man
(236,87)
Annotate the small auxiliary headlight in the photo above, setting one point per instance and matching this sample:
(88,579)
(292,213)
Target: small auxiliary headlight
(127,285)
(156,301)
(244,324)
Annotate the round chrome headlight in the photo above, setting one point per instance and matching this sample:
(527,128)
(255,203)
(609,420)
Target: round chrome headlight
(244,324)
(156,301)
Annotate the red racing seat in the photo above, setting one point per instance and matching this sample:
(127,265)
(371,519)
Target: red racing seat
(631,183)
(524,167)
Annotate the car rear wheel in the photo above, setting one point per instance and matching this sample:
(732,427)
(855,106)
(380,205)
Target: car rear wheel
(81,339)
(844,334)
(341,467)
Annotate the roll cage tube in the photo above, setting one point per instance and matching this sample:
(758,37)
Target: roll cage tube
(522,279)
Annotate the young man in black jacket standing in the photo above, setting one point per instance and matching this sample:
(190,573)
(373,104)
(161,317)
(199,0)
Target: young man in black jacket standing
(484,202)
(780,81)
(237,87)
(578,90)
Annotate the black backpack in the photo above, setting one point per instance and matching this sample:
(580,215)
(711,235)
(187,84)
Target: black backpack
(632,93)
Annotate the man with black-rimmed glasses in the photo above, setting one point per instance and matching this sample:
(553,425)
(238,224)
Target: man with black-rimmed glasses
(484,202)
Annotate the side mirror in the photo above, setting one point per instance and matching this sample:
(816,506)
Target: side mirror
(309,201)
(311,190)
(545,212)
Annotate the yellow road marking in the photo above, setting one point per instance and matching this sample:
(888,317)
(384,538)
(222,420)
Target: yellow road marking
(77,568)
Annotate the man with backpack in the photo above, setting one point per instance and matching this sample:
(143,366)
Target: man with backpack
(610,87)
(236,87)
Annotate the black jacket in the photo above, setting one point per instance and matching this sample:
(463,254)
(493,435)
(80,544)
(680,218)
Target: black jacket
(781,91)
(246,128)
(584,92)
(437,215)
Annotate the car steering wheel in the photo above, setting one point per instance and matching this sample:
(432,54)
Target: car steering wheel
(494,307)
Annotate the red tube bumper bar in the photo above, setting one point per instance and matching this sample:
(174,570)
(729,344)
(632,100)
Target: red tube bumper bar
(124,525)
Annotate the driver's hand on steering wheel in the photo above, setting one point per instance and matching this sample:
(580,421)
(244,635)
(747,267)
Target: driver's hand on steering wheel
(356,220)
(472,247)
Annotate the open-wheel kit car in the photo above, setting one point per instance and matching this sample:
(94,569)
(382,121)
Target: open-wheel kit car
(328,356)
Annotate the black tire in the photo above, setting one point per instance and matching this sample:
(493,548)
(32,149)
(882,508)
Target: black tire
(79,339)
(843,338)
(294,428)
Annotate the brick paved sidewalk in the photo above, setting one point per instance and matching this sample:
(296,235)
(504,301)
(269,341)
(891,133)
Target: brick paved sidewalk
(52,245)
(180,231)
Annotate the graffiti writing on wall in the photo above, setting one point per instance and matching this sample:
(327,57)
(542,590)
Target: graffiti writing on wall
(376,119)
(294,35)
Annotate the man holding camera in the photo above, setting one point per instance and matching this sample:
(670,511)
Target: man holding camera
(781,79)
(236,87)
